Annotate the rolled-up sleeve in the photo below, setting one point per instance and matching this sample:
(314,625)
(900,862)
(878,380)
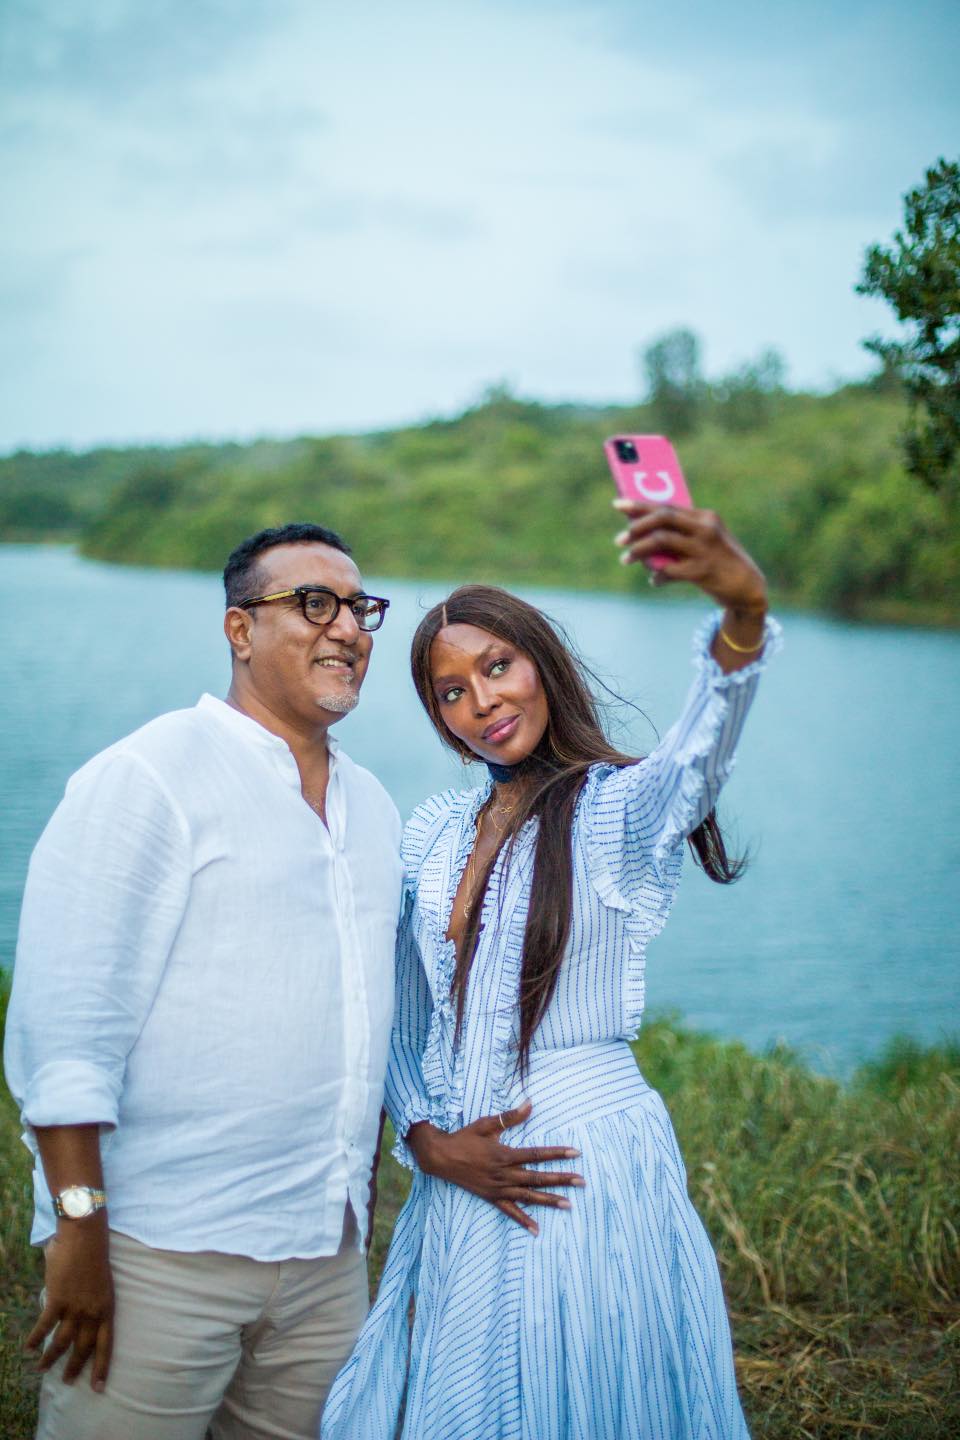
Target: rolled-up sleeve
(106,891)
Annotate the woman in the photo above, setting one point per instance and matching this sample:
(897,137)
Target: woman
(530,903)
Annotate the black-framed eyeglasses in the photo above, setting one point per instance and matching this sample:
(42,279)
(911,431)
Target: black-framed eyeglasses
(321,606)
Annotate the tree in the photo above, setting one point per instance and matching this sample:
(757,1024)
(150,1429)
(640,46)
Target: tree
(919,276)
(750,397)
(674,384)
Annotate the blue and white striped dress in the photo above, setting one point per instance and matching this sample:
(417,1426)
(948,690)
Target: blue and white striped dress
(612,1322)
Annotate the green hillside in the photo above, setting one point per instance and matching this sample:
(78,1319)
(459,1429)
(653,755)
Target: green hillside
(517,492)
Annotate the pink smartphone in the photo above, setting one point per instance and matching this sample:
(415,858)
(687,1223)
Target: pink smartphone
(645,467)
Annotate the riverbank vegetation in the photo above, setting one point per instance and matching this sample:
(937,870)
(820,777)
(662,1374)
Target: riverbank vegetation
(834,1210)
(517,492)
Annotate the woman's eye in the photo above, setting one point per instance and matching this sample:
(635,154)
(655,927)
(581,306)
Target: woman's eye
(450,696)
(498,667)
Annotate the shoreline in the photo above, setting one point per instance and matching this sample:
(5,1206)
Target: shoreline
(517,492)
(880,614)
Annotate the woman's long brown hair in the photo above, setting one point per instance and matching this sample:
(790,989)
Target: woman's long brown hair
(574,740)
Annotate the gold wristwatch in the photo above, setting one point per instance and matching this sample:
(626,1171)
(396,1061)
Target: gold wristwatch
(76,1202)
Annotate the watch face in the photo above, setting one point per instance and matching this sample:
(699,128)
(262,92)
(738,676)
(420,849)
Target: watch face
(76,1202)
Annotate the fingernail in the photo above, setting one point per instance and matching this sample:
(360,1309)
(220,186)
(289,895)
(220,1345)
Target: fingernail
(99,1386)
(622,538)
(563,1204)
(579,1181)
(572,1154)
(620,504)
(625,558)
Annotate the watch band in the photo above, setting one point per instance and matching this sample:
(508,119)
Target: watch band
(76,1202)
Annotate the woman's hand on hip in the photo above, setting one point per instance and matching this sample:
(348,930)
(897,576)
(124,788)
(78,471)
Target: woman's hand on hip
(477,1159)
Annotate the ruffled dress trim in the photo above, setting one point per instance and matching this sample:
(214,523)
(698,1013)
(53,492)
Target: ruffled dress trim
(507,895)
(703,739)
(648,900)
(424,851)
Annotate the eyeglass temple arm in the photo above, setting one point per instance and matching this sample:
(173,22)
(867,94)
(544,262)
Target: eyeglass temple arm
(262,599)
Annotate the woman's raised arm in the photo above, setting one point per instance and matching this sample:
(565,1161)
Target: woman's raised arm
(705,554)
(649,808)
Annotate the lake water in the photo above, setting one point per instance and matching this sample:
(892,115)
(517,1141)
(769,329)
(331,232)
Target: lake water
(845,929)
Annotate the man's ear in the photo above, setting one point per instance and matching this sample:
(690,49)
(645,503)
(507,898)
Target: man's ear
(237,626)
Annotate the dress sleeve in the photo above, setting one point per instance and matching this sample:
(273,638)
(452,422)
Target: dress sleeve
(652,806)
(105,895)
(406,1096)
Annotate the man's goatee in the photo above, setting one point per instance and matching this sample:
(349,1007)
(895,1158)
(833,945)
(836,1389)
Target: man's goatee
(342,703)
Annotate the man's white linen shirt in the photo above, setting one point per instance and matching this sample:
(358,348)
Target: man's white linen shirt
(206,970)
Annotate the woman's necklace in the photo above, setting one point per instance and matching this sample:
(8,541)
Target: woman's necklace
(498,815)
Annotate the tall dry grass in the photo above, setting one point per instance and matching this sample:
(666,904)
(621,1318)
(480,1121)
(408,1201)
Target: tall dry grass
(834,1210)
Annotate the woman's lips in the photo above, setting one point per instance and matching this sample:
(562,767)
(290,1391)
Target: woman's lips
(500,731)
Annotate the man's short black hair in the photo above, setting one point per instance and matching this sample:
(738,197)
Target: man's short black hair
(243,577)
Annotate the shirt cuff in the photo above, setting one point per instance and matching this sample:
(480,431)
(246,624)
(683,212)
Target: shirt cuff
(70,1092)
(414,1112)
(723,679)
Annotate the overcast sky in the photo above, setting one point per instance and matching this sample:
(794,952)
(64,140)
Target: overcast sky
(245,217)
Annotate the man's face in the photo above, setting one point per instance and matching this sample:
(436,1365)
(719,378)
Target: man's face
(303,672)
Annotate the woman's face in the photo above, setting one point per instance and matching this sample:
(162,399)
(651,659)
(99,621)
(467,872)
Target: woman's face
(489,693)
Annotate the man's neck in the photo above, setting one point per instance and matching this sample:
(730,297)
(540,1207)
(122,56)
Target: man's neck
(308,745)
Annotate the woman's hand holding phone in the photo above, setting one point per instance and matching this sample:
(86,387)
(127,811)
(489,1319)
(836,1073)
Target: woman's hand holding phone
(702,552)
(697,547)
(645,467)
(678,542)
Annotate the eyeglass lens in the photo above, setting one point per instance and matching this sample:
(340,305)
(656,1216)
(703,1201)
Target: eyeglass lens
(320,606)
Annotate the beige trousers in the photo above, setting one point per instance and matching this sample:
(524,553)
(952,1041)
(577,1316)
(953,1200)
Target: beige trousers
(248,1348)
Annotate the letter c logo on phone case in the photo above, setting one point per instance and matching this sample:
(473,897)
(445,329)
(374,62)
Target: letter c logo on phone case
(649,491)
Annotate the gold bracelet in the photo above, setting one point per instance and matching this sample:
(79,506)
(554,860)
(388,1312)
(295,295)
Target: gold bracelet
(741,649)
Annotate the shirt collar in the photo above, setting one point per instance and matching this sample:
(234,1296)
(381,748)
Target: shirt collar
(251,731)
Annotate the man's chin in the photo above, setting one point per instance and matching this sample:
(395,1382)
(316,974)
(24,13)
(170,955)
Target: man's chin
(341,702)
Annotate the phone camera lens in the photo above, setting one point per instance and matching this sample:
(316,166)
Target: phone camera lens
(626,450)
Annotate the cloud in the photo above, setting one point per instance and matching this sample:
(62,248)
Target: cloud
(261,210)
(274,325)
(209,151)
(782,181)
(121,52)
(336,211)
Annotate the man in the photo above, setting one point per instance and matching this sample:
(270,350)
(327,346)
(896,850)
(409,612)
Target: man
(199,1027)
